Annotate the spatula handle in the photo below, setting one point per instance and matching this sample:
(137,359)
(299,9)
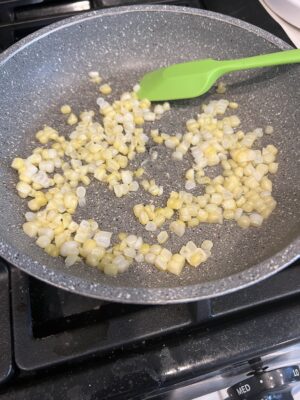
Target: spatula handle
(265,60)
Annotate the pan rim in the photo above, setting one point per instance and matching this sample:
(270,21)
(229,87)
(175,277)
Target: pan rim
(144,295)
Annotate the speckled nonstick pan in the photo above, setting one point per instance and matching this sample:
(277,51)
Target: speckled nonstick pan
(50,67)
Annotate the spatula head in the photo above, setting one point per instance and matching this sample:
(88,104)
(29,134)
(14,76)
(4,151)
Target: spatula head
(180,81)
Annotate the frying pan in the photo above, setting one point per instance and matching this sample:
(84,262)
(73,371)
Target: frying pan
(50,67)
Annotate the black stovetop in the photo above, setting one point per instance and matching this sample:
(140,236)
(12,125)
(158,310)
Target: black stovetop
(54,344)
(61,345)
(20,17)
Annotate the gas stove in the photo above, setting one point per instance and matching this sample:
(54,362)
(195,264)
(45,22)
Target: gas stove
(18,18)
(54,344)
(57,344)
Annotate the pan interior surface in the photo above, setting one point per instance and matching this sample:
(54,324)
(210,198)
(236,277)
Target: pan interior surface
(122,45)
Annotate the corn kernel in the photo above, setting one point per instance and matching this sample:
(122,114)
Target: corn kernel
(105,89)
(176,264)
(162,237)
(145,248)
(17,163)
(143,218)
(30,228)
(196,258)
(72,120)
(65,109)
(244,221)
(155,249)
(52,250)
(139,172)
(273,167)
(177,227)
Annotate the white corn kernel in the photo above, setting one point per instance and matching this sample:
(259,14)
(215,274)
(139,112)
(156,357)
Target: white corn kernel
(162,237)
(207,245)
(177,227)
(103,238)
(151,226)
(269,130)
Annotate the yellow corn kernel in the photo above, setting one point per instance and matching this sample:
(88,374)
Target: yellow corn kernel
(193,222)
(262,169)
(190,174)
(238,171)
(159,220)
(72,120)
(105,89)
(122,160)
(272,149)
(30,228)
(139,120)
(216,198)
(168,212)
(24,178)
(214,218)
(161,263)
(70,201)
(17,163)
(58,230)
(137,209)
(273,167)
(158,139)
(175,204)
(228,214)
(139,172)
(155,249)
(24,189)
(248,206)
(143,218)
(58,179)
(146,184)
(36,204)
(122,235)
(144,104)
(229,204)
(196,258)
(192,125)
(176,264)
(202,215)
(240,201)
(150,211)
(144,249)
(221,88)
(65,109)
(266,184)
(244,221)
(165,254)
(233,105)
(52,250)
(100,174)
(66,220)
(88,246)
(265,212)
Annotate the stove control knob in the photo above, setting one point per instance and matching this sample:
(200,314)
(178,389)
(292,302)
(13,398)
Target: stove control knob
(267,385)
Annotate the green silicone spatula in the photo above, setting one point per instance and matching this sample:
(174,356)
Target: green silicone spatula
(191,79)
